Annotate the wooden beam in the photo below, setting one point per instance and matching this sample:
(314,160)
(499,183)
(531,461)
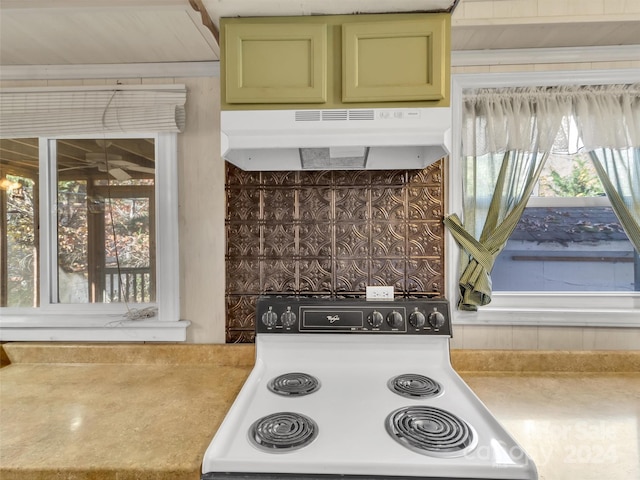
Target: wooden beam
(198,6)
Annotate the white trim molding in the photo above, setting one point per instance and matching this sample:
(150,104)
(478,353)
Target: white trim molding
(527,56)
(551,309)
(62,328)
(107,71)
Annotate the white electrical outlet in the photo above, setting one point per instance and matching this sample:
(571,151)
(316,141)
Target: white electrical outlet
(379,293)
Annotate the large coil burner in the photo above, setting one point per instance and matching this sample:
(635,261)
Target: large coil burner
(431,431)
(282,432)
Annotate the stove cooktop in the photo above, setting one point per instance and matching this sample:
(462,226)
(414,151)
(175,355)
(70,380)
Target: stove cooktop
(362,400)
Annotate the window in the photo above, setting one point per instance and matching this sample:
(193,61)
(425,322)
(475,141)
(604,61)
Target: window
(568,261)
(87,226)
(569,238)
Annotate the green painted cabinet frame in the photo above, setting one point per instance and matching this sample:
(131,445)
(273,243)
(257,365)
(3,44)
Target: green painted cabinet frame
(276,63)
(335,61)
(401,60)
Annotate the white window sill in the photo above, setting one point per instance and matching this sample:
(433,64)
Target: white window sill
(556,309)
(94,328)
(549,317)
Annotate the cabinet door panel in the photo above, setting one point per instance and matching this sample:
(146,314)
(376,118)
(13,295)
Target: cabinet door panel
(394,60)
(275,63)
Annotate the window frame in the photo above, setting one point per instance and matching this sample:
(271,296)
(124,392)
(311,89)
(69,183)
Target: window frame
(617,309)
(104,321)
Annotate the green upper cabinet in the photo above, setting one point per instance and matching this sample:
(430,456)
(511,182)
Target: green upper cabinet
(276,63)
(335,61)
(394,60)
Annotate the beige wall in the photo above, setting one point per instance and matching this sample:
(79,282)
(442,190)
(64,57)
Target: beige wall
(528,11)
(202,244)
(202,211)
(545,338)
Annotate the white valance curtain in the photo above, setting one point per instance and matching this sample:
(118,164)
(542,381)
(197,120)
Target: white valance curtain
(50,111)
(517,119)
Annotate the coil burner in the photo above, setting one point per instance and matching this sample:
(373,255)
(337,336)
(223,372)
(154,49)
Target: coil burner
(412,385)
(294,384)
(431,431)
(282,432)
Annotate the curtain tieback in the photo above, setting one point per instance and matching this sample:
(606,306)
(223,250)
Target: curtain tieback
(476,249)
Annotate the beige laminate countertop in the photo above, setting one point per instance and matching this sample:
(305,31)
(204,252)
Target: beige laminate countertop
(125,412)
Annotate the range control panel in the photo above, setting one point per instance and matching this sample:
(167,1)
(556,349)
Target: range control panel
(420,316)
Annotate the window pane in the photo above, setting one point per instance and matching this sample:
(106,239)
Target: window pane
(569,238)
(129,254)
(72,241)
(106,244)
(18,223)
(569,176)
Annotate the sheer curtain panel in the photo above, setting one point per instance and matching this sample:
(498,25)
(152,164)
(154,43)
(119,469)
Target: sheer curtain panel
(619,172)
(506,137)
(608,120)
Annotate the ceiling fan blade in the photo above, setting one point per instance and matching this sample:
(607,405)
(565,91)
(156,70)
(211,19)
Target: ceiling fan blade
(138,168)
(118,163)
(119,174)
(94,157)
(83,167)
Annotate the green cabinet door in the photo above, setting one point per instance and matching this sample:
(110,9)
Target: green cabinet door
(275,63)
(401,60)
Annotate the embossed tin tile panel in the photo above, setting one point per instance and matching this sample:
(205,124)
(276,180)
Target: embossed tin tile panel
(330,233)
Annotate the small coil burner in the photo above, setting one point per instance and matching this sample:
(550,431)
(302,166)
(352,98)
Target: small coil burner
(412,385)
(282,432)
(290,384)
(431,431)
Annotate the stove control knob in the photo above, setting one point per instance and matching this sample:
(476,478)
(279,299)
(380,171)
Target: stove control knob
(270,318)
(288,318)
(394,319)
(417,319)
(375,319)
(436,319)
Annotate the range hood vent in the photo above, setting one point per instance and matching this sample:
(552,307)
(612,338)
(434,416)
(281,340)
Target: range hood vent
(333,115)
(341,139)
(334,158)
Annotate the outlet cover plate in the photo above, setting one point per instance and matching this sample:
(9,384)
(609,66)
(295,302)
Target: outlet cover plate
(379,293)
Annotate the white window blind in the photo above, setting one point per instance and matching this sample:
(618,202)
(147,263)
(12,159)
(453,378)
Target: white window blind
(51,111)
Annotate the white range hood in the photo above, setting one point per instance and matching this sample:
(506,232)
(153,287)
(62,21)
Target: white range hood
(357,139)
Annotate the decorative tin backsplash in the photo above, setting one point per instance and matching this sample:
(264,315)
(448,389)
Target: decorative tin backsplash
(330,233)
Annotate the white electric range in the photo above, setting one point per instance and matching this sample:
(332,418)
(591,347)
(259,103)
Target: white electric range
(350,388)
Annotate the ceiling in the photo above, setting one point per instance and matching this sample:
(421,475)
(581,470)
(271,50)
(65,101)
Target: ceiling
(77,32)
(78,159)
